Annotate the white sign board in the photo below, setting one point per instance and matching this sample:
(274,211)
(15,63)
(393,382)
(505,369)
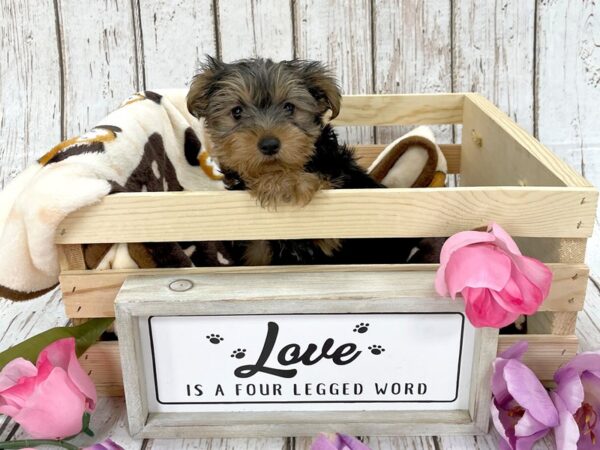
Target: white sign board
(226,367)
(307,362)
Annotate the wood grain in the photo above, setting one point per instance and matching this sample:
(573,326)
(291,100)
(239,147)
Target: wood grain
(30,92)
(256,28)
(493,54)
(397,109)
(98,45)
(412,54)
(174,38)
(92,293)
(164,217)
(496,151)
(338,32)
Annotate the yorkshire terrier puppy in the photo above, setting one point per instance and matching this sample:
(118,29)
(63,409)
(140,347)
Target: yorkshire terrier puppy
(266,123)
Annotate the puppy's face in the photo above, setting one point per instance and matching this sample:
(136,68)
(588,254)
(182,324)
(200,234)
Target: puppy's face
(263,119)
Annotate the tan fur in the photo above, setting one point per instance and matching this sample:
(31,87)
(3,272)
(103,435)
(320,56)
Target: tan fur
(258,253)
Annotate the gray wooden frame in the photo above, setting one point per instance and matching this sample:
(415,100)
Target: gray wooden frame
(202,296)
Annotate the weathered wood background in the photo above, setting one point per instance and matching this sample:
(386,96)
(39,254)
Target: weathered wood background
(65,63)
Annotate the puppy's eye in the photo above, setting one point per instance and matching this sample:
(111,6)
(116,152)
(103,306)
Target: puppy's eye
(237,112)
(289,108)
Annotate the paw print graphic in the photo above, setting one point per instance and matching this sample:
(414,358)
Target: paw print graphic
(361,328)
(376,349)
(239,353)
(214,338)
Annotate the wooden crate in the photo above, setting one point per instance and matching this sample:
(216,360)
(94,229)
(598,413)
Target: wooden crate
(506,176)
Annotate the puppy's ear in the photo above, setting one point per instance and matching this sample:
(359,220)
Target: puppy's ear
(322,85)
(203,85)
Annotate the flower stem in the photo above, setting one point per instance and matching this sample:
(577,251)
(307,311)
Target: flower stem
(35,442)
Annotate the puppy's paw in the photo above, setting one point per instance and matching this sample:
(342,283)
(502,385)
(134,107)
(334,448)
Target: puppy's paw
(284,188)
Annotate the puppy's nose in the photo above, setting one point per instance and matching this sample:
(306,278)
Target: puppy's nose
(269,145)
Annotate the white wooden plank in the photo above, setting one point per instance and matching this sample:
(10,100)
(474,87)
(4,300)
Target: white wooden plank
(338,33)
(217,444)
(404,443)
(29,84)
(255,28)
(568,76)
(588,320)
(99,60)
(20,320)
(412,54)
(175,36)
(494,53)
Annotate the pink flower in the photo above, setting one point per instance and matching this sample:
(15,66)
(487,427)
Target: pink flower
(522,411)
(497,282)
(577,399)
(337,442)
(49,399)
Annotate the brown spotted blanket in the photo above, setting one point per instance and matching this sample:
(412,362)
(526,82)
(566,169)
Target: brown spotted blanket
(150,143)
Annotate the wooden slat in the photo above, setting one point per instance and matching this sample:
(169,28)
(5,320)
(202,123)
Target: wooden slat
(251,28)
(561,323)
(165,62)
(412,54)
(92,293)
(164,217)
(366,154)
(338,33)
(546,353)
(30,89)
(496,151)
(99,60)
(493,54)
(401,109)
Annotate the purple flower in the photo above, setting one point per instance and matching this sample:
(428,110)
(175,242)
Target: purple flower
(339,442)
(522,411)
(107,444)
(577,399)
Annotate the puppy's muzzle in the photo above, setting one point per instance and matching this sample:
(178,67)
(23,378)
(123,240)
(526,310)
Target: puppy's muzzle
(269,146)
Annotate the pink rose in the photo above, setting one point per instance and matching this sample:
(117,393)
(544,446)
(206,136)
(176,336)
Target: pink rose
(497,282)
(49,399)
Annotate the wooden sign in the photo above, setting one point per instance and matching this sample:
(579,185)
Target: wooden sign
(295,354)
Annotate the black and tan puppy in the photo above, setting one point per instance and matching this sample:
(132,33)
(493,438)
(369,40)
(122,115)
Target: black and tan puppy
(266,123)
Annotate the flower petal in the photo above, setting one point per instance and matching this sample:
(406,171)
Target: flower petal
(528,425)
(351,442)
(566,433)
(500,425)
(62,354)
(15,370)
(586,361)
(516,351)
(322,442)
(527,390)
(55,409)
(480,266)
(503,239)
(527,443)
(460,240)
(536,273)
(519,295)
(483,311)
(569,388)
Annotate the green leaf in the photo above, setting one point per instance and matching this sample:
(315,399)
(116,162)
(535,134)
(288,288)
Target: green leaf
(85,336)
(86,424)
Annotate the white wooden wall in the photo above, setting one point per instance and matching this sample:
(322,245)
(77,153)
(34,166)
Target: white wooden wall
(65,63)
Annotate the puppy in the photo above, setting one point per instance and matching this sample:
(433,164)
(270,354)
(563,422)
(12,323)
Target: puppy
(266,123)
